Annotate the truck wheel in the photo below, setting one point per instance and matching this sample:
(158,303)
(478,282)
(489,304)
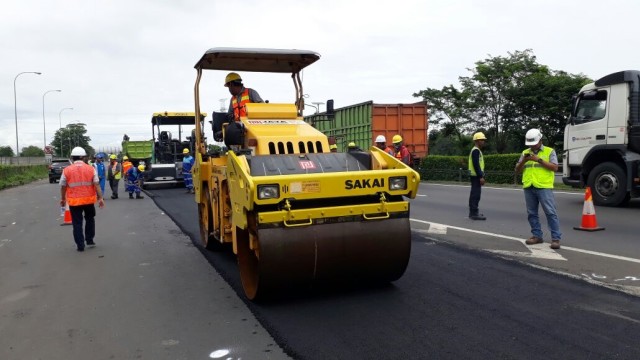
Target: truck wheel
(608,185)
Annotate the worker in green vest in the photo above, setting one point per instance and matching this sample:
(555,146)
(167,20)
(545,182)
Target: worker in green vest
(114,174)
(538,165)
(476,175)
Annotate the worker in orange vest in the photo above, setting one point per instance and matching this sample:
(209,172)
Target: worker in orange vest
(80,188)
(126,165)
(240,96)
(401,151)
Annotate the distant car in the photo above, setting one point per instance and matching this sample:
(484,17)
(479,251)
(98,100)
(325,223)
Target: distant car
(56,167)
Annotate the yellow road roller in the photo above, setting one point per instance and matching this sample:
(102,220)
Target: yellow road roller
(294,213)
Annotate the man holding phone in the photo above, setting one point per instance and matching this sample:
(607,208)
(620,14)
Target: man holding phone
(538,165)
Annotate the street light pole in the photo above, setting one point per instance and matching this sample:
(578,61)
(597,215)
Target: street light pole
(317,104)
(44,123)
(15,105)
(60,127)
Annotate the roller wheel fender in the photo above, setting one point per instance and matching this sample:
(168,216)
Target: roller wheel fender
(608,185)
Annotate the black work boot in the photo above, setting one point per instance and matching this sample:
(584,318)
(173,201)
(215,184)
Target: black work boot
(130,195)
(138,196)
(477,217)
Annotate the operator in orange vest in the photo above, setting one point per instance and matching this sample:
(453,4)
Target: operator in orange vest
(240,96)
(80,188)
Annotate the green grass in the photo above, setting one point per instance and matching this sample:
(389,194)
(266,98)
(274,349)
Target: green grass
(20,175)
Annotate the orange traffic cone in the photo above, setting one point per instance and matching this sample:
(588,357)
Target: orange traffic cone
(589,222)
(67,216)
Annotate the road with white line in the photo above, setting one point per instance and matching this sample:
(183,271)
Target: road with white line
(610,257)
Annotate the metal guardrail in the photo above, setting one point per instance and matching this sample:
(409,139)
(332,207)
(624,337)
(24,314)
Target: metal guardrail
(39,160)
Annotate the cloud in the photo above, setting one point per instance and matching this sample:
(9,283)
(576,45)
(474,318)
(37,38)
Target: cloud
(119,61)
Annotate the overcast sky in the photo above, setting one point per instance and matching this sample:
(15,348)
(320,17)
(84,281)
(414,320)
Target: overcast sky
(119,61)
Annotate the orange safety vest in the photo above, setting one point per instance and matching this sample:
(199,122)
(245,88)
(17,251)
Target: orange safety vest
(125,166)
(80,187)
(240,109)
(402,153)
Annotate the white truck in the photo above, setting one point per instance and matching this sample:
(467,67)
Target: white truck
(602,139)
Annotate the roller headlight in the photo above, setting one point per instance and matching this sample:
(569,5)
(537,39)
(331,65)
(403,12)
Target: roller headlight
(271,191)
(398,183)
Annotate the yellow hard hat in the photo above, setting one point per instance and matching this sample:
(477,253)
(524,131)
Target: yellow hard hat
(125,157)
(479,136)
(185,151)
(112,157)
(397,139)
(231,77)
(352,144)
(141,167)
(333,146)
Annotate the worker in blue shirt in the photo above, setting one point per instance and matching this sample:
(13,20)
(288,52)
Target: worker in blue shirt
(133,181)
(101,170)
(187,166)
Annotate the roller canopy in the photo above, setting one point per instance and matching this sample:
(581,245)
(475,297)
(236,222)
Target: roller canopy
(175,118)
(257,60)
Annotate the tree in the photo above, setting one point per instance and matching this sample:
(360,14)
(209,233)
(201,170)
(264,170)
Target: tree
(32,151)
(544,100)
(69,137)
(506,96)
(492,81)
(448,104)
(6,151)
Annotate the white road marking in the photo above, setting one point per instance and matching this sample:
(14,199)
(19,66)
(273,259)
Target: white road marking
(589,252)
(4,241)
(540,251)
(437,229)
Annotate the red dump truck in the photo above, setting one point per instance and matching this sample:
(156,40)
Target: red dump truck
(362,123)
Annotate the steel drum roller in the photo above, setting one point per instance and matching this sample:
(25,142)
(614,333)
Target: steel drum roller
(374,250)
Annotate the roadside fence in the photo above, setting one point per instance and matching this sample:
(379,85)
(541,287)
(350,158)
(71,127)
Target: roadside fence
(21,160)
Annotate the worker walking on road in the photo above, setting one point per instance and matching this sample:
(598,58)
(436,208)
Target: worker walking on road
(187,167)
(134,181)
(114,174)
(476,175)
(538,164)
(400,151)
(79,188)
(101,170)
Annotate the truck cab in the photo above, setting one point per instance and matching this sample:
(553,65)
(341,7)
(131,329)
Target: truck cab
(602,139)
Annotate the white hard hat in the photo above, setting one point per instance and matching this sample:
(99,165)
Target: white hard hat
(532,137)
(78,151)
(381,139)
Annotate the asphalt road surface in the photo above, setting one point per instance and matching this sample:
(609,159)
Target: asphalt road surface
(456,300)
(144,292)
